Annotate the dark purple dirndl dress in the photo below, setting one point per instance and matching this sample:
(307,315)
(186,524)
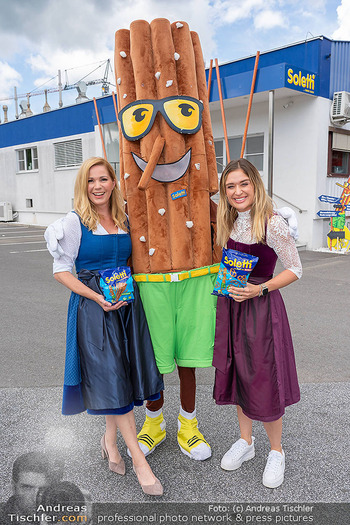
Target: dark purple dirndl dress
(253,350)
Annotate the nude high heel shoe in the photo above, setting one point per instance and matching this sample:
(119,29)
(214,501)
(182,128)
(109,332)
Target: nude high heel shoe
(155,489)
(118,468)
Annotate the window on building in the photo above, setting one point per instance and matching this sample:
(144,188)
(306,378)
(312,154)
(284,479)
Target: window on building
(219,153)
(254,151)
(338,153)
(68,154)
(29,203)
(27,159)
(234,146)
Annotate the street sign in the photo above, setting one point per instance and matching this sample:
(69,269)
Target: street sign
(339,207)
(328,213)
(329,198)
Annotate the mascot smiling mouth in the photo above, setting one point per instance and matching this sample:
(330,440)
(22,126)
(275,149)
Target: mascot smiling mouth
(166,172)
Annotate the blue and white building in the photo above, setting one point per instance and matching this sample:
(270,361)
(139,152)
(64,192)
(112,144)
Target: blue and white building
(40,155)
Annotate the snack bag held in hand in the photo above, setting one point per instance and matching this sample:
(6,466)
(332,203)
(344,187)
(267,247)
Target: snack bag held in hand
(117,285)
(235,268)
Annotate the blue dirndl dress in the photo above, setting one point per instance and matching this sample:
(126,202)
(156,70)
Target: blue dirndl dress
(110,364)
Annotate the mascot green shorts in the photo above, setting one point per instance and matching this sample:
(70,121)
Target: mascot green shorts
(180,312)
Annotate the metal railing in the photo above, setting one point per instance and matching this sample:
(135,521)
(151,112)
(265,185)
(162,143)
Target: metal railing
(288,202)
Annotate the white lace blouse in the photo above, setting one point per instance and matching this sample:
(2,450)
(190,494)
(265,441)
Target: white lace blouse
(70,242)
(277,237)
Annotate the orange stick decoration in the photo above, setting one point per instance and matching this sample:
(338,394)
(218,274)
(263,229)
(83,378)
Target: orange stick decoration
(115,102)
(100,128)
(209,77)
(250,102)
(121,166)
(222,110)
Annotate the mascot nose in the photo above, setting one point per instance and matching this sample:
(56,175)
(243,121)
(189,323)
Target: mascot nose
(152,162)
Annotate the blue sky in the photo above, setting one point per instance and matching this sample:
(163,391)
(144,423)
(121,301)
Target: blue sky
(41,36)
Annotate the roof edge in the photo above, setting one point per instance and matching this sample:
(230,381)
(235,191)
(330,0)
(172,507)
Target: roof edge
(320,37)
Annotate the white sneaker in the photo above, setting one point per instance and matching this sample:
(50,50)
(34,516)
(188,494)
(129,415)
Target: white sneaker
(274,471)
(239,452)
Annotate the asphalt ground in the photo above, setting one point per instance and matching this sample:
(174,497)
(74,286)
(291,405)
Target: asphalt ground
(316,435)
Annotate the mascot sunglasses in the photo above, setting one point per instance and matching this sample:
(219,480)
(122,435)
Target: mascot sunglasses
(183,115)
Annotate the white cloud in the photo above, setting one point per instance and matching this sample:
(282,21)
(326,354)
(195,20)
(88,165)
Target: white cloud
(306,14)
(50,35)
(66,34)
(8,78)
(230,11)
(45,82)
(78,63)
(268,19)
(343,31)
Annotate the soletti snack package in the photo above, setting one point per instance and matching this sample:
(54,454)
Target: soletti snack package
(235,268)
(117,284)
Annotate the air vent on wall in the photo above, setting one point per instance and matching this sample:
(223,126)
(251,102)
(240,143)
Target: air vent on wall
(5,211)
(340,110)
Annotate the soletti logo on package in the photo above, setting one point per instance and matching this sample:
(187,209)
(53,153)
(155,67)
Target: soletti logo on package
(245,264)
(301,80)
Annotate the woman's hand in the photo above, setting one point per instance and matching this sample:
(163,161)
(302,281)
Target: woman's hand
(79,288)
(108,307)
(242,294)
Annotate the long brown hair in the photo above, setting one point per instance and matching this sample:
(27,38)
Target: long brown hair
(85,208)
(261,211)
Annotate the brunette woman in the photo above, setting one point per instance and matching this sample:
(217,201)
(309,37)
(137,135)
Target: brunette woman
(253,352)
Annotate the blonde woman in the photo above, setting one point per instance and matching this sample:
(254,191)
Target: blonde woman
(253,352)
(110,363)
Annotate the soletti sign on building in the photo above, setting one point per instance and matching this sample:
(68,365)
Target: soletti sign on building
(301,80)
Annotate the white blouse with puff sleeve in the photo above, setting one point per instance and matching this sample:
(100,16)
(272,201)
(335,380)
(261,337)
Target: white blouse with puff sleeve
(68,238)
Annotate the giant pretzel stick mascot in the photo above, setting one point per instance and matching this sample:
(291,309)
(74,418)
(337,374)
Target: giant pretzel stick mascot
(168,172)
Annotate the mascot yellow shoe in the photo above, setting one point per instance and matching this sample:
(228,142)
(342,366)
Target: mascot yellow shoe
(153,432)
(190,440)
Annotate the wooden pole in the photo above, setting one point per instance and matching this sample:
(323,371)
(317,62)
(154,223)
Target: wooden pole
(250,102)
(209,77)
(100,128)
(222,111)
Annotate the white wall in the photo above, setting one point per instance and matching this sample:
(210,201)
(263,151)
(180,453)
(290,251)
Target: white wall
(51,189)
(301,151)
(300,154)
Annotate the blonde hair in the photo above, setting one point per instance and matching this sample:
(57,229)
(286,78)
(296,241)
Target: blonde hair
(85,208)
(261,211)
